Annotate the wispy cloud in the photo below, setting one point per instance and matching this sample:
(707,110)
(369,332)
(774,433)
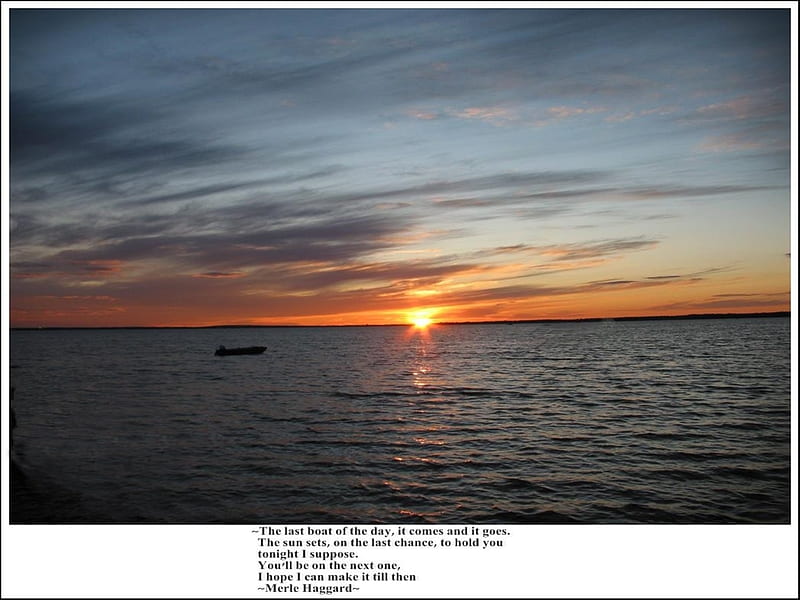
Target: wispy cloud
(565,112)
(219,275)
(95,137)
(318,163)
(767,104)
(582,250)
(496,115)
(730,143)
(736,302)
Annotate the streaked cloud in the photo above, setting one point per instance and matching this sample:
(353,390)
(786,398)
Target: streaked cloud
(327,165)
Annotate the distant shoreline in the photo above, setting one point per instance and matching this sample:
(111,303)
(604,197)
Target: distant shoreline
(495,322)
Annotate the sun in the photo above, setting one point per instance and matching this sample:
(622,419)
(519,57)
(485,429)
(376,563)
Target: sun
(420,319)
(421,322)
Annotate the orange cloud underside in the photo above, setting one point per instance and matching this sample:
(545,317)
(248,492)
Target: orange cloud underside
(617,299)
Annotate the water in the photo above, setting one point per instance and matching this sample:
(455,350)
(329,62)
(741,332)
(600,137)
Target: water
(603,422)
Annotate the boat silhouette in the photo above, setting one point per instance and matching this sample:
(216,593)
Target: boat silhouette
(223,351)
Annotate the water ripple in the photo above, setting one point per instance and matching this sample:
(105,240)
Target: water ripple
(635,422)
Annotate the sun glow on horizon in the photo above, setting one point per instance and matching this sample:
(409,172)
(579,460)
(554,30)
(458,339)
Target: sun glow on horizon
(369,225)
(420,319)
(422,322)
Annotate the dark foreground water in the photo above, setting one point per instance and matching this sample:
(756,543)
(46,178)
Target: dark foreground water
(609,422)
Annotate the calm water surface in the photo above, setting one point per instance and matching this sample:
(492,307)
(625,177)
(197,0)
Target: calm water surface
(609,422)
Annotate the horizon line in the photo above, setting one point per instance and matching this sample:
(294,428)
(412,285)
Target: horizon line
(434,323)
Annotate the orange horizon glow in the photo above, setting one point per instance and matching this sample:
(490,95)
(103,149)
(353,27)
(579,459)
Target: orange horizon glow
(420,319)
(90,316)
(67,300)
(361,194)
(188,301)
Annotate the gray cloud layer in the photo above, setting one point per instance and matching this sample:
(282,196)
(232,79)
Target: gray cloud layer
(240,148)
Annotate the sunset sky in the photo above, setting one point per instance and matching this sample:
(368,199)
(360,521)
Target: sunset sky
(203,167)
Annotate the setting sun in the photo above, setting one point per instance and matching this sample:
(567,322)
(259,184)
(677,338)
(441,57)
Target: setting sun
(420,318)
(388,233)
(421,322)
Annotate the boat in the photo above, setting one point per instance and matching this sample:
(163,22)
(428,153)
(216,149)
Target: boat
(223,351)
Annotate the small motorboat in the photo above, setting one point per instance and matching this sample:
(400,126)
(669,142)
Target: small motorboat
(223,351)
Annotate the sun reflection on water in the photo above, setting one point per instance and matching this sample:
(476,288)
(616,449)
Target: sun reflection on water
(420,375)
(422,362)
(427,442)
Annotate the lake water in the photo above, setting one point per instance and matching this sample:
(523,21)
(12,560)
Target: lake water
(680,421)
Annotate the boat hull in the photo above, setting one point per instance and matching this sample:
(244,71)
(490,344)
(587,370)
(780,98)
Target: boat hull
(238,351)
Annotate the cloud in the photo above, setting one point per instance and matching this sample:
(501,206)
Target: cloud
(767,136)
(625,282)
(423,115)
(678,191)
(219,275)
(496,115)
(399,277)
(500,115)
(324,241)
(752,295)
(730,143)
(251,168)
(69,309)
(769,103)
(655,192)
(510,182)
(659,111)
(102,141)
(566,112)
(279,275)
(196,193)
(590,250)
(76,270)
(745,123)
(736,302)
